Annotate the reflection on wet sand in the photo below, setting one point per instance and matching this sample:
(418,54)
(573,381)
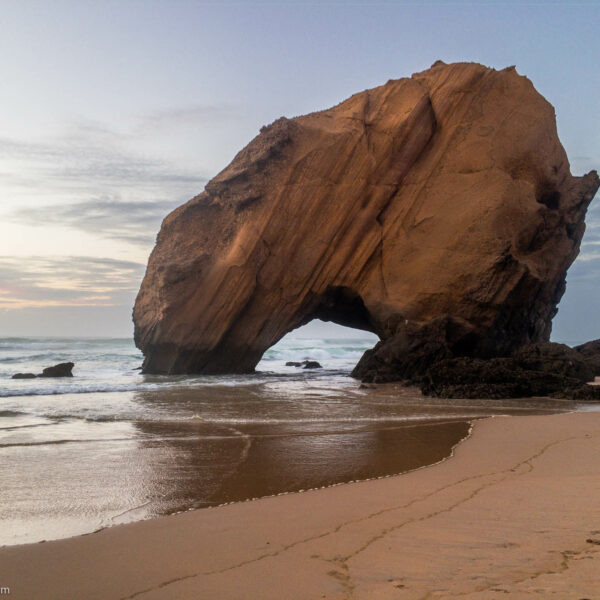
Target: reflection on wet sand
(74,463)
(287,435)
(222,464)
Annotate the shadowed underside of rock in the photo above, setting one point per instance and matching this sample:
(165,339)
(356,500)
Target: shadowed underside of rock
(437,211)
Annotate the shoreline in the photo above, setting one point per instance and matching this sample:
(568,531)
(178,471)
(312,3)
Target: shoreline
(470,424)
(262,466)
(510,512)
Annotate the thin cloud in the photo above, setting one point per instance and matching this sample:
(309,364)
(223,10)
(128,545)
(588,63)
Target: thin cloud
(88,164)
(36,281)
(86,179)
(108,216)
(583,164)
(189,116)
(90,157)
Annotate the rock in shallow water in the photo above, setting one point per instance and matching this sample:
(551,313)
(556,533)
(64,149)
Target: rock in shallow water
(437,211)
(311,364)
(305,364)
(61,370)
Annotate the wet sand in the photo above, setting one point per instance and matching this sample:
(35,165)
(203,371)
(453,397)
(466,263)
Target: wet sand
(515,511)
(75,463)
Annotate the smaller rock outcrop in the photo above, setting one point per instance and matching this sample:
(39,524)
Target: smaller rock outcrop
(554,359)
(61,370)
(407,355)
(311,364)
(547,369)
(591,352)
(305,364)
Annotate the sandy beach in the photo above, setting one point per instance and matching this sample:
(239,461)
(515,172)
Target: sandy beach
(515,510)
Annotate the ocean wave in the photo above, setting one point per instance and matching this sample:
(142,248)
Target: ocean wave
(22,358)
(65,441)
(92,389)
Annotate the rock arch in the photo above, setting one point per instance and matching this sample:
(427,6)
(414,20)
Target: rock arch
(413,210)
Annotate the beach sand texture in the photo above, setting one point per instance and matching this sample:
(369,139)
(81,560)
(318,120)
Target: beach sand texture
(514,513)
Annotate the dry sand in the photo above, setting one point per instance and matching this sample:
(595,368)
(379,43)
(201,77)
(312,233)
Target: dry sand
(509,515)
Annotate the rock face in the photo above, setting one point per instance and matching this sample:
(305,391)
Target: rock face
(437,211)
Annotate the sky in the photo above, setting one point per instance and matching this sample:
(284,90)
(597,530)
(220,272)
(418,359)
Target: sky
(112,113)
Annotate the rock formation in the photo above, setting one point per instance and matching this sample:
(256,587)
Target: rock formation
(305,364)
(437,211)
(591,352)
(534,370)
(60,370)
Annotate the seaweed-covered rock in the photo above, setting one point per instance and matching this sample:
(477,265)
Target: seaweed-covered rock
(555,359)
(534,370)
(493,378)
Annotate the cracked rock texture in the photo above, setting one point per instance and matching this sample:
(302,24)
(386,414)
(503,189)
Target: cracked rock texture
(437,211)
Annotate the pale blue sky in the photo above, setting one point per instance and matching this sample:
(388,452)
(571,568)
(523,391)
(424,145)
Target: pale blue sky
(112,113)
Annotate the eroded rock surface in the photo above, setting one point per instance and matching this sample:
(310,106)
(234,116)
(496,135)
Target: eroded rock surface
(437,211)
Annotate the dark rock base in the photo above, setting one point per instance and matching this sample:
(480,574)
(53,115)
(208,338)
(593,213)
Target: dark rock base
(500,378)
(545,369)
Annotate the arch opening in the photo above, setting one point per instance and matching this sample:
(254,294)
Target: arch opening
(335,332)
(333,346)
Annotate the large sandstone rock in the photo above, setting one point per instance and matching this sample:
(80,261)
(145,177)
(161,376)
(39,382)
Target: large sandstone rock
(437,211)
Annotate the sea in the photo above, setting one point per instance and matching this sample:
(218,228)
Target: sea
(112,445)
